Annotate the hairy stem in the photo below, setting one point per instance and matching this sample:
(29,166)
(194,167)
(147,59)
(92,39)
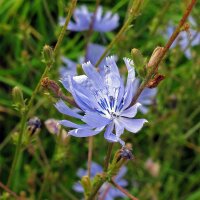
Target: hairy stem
(166,48)
(25,114)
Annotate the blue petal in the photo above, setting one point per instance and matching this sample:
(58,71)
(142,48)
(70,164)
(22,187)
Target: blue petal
(129,85)
(69,67)
(132,125)
(78,99)
(69,124)
(110,61)
(78,187)
(108,135)
(84,132)
(64,109)
(106,23)
(131,112)
(121,173)
(92,74)
(94,120)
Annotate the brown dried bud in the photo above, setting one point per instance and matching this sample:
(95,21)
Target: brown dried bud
(157,53)
(155,81)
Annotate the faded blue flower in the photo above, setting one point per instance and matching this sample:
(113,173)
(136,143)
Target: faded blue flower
(83,18)
(186,40)
(107,191)
(104,101)
(94,52)
(146,98)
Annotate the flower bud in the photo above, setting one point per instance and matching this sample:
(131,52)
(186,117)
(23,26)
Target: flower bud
(157,53)
(48,55)
(18,98)
(139,62)
(85,182)
(138,58)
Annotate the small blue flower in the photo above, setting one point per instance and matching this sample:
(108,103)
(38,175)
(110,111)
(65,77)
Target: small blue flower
(146,97)
(83,18)
(104,101)
(107,190)
(94,52)
(186,40)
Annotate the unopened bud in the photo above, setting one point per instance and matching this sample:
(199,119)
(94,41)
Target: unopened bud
(157,53)
(85,182)
(48,55)
(138,58)
(18,98)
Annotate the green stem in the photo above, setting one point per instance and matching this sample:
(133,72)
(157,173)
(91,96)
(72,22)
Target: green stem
(134,11)
(17,152)
(108,156)
(62,33)
(25,114)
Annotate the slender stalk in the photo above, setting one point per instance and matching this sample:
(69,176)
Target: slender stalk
(9,190)
(166,48)
(134,11)
(90,147)
(123,190)
(108,156)
(25,114)
(17,152)
(62,33)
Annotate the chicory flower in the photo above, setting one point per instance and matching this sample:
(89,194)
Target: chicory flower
(83,19)
(107,190)
(104,100)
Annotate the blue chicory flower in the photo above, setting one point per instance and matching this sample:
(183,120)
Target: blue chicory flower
(107,190)
(94,52)
(186,40)
(104,101)
(146,97)
(83,19)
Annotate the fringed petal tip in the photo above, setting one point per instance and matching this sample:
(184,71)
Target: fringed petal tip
(110,59)
(129,63)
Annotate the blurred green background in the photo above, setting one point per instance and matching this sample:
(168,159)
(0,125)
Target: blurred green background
(171,138)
